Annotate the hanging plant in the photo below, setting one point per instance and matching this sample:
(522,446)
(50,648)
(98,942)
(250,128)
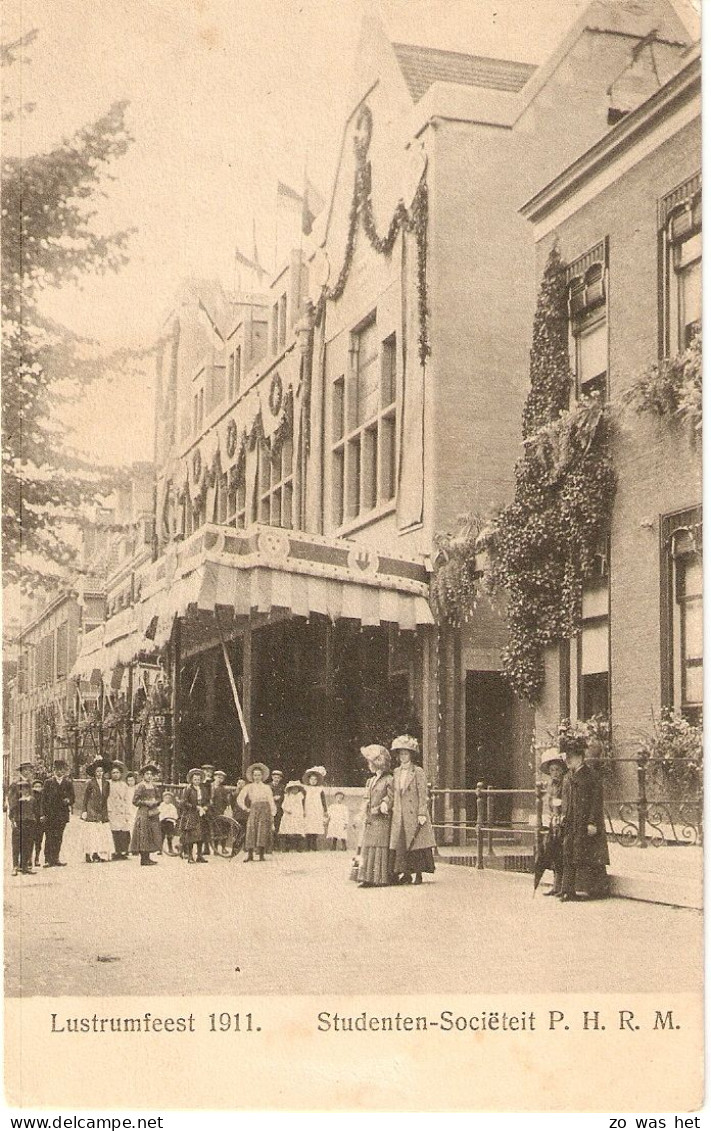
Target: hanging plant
(544,544)
(456,578)
(672,388)
(361,208)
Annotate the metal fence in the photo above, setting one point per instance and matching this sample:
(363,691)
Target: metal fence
(492,823)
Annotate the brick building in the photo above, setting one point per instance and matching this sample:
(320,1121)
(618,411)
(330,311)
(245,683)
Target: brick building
(627,219)
(314,438)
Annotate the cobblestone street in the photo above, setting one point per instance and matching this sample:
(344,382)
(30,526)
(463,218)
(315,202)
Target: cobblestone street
(295,924)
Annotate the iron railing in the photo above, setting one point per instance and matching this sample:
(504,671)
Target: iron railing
(484,818)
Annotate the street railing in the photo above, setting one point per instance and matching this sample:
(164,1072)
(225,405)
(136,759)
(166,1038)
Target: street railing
(479,813)
(486,818)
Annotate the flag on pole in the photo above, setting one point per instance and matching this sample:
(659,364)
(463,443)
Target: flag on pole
(313,204)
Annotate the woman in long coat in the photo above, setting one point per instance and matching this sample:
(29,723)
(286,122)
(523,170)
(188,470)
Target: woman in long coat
(374,868)
(146,836)
(585,853)
(192,823)
(411,835)
(98,841)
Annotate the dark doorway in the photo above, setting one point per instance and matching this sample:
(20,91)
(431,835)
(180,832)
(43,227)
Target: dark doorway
(489,714)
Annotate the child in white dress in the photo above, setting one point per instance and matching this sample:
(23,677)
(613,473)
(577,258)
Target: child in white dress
(338,823)
(315,808)
(293,825)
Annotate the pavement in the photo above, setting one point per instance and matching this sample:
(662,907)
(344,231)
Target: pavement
(296,924)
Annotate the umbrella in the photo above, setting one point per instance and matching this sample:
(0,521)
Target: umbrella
(545,858)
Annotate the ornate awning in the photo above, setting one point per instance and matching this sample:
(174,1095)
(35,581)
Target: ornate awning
(264,568)
(259,569)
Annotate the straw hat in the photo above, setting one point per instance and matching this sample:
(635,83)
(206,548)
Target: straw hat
(257,766)
(549,756)
(191,773)
(315,771)
(294,785)
(405,742)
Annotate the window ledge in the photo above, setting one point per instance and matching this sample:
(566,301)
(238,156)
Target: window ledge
(363,520)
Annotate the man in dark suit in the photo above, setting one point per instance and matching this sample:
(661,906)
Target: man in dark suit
(57,804)
(23,776)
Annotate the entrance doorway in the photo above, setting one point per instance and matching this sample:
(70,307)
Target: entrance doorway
(490,710)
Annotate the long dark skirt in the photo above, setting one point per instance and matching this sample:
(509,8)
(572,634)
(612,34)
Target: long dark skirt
(146,835)
(407,861)
(260,827)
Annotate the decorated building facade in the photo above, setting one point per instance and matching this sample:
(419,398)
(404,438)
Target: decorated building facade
(318,439)
(626,220)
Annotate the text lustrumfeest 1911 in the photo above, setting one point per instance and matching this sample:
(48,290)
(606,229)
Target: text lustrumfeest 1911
(363,1021)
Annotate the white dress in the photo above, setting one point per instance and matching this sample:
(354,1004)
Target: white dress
(292,821)
(338,821)
(121,811)
(313,810)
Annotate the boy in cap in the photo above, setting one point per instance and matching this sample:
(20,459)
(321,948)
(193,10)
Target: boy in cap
(208,780)
(219,802)
(26,820)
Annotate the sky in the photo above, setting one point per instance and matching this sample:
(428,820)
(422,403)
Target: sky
(226,97)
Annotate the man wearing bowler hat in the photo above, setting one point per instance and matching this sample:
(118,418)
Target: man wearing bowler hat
(57,805)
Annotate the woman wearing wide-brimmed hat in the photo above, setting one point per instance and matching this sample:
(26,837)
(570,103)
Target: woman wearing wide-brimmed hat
(98,842)
(411,835)
(374,866)
(257,800)
(554,766)
(315,807)
(146,836)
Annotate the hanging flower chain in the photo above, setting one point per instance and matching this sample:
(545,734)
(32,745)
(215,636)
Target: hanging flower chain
(362,208)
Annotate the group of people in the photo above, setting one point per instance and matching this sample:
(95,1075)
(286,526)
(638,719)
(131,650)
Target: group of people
(575,847)
(397,840)
(126,814)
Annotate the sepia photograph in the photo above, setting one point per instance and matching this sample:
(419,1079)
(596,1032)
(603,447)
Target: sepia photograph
(352,551)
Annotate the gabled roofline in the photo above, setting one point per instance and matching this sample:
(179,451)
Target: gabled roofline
(585,22)
(680,88)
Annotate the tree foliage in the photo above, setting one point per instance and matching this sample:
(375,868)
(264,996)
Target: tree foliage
(50,238)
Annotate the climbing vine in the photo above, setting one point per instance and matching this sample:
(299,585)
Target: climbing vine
(415,220)
(543,546)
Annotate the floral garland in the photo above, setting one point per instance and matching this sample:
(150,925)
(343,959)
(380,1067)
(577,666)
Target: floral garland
(672,388)
(362,208)
(544,545)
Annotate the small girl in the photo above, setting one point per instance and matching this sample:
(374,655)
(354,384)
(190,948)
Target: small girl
(315,808)
(168,816)
(338,822)
(291,829)
(257,799)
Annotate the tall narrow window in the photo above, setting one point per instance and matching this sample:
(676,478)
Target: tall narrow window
(275,327)
(282,322)
(235,373)
(275,484)
(682,613)
(588,322)
(363,428)
(680,244)
(594,652)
